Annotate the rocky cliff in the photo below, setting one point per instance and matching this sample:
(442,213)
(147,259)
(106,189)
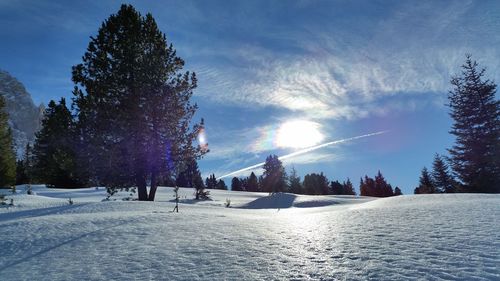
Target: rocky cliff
(24,116)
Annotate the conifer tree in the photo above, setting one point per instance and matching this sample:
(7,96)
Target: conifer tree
(336,188)
(475,156)
(441,176)
(7,154)
(133,105)
(295,186)
(221,185)
(24,167)
(367,187)
(274,175)
(53,155)
(316,184)
(382,188)
(236,184)
(21,177)
(397,191)
(348,188)
(211,182)
(252,183)
(425,183)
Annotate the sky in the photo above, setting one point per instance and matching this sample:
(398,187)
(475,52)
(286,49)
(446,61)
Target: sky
(337,69)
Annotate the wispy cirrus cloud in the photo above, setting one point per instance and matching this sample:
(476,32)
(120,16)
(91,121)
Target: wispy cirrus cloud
(405,61)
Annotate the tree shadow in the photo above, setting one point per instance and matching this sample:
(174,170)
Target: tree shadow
(46,250)
(275,201)
(33,213)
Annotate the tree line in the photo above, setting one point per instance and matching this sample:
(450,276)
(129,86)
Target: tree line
(275,179)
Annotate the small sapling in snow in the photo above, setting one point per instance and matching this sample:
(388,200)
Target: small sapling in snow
(29,191)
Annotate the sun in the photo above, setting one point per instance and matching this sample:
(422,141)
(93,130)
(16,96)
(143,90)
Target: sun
(298,134)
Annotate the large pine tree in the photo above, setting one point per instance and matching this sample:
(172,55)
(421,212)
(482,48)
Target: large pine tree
(475,156)
(54,157)
(7,155)
(133,104)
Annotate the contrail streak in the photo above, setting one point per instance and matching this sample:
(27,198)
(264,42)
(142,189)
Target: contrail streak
(303,151)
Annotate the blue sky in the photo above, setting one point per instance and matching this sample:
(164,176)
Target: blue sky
(350,67)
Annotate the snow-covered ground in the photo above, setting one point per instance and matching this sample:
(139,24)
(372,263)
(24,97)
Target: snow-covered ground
(283,237)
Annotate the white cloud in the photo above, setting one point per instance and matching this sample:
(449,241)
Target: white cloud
(410,55)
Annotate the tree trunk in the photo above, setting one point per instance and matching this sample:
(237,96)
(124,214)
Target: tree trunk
(142,190)
(154,186)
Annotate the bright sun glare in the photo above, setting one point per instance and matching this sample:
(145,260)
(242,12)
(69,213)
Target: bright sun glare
(298,134)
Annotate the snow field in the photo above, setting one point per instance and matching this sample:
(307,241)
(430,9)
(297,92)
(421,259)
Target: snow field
(425,237)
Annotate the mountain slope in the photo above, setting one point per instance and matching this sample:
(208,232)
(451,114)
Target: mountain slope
(24,116)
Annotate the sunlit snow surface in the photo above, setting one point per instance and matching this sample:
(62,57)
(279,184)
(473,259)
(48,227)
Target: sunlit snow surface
(284,237)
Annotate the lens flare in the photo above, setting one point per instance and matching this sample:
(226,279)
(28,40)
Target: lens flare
(202,140)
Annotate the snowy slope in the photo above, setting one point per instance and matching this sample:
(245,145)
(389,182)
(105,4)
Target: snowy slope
(430,237)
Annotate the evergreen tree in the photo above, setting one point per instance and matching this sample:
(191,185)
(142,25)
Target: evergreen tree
(252,183)
(261,183)
(199,186)
(244,183)
(21,177)
(367,187)
(236,184)
(316,184)
(7,154)
(475,156)
(441,176)
(294,182)
(336,188)
(397,191)
(382,188)
(425,183)
(133,105)
(24,167)
(274,175)
(211,182)
(187,177)
(53,154)
(348,188)
(377,187)
(182,180)
(221,185)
